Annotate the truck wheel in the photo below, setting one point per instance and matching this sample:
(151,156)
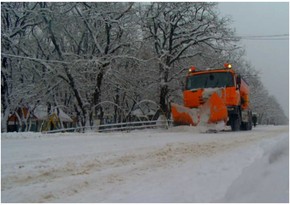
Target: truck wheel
(250,125)
(235,123)
(244,126)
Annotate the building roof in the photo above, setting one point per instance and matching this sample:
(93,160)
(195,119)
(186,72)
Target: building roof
(41,113)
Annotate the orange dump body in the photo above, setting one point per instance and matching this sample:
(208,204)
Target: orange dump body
(244,92)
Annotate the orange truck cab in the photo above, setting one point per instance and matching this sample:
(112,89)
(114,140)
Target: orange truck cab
(227,92)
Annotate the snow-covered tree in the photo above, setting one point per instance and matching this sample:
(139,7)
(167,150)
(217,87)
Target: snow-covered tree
(89,58)
(180,31)
(20,83)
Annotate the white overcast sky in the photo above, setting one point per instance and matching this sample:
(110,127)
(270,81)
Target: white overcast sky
(270,57)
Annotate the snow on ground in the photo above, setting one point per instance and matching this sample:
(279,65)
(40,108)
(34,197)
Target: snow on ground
(154,165)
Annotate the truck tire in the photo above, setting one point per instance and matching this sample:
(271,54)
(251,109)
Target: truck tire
(250,124)
(235,122)
(246,126)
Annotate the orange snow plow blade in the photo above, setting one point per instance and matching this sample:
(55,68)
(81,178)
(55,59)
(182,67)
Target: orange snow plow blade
(212,111)
(183,116)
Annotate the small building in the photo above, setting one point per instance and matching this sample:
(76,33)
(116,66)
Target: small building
(57,119)
(22,114)
(39,120)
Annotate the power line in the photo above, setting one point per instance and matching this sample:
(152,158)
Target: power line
(265,37)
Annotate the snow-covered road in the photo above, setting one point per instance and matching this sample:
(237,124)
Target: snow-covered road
(155,165)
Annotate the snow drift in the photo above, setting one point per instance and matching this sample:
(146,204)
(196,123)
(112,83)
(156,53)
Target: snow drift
(260,182)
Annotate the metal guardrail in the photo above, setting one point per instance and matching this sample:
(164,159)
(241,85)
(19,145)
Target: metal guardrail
(117,126)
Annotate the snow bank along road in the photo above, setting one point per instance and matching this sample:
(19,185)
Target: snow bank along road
(154,165)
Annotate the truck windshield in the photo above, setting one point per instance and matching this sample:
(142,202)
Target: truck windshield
(210,80)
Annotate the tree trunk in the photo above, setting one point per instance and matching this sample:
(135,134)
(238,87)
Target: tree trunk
(97,96)
(97,92)
(117,101)
(5,102)
(4,120)
(163,100)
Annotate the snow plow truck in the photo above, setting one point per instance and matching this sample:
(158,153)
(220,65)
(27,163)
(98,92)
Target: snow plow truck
(214,96)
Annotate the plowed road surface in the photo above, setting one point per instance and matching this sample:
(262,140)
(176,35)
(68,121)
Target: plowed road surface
(155,165)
